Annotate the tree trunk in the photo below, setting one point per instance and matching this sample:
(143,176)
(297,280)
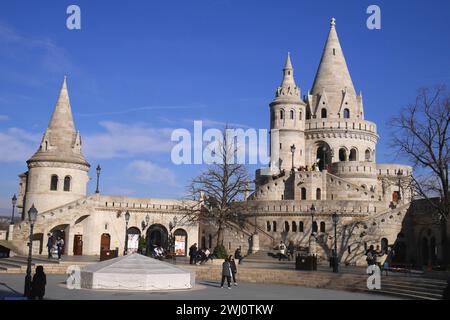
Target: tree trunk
(220,235)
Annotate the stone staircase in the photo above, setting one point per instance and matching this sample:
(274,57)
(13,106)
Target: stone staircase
(18,264)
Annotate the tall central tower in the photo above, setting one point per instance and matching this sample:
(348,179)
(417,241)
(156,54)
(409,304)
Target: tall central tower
(57,172)
(287,123)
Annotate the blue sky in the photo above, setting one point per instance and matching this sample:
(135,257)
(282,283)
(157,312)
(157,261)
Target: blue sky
(138,69)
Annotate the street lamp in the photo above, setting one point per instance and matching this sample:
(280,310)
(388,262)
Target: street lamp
(127,218)
(335,258)
(13,201)
(98,177)
(293,152)
(399,175)
(32,214)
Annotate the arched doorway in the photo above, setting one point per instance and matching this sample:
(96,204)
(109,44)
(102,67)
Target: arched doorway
(181,242)
(59,232)
(157,235)
(105,242)
(323,155)
(134,234)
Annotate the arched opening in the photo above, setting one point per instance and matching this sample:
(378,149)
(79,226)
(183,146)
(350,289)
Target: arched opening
(274,226)
(268,226)
(323,113)
(318,194)
(367,155)
(384,245)
(286,226)
(314,227)
(134,235)
(59,232)
(38,243)
(67,181)
(353,155)
(54,183)
(300,226)
(346,113)
(342,154)
(105,242)
(181,242)
(291,113)
(303,193)
(157,235)
(425,252)
(322,226)
(281,114)
(395,196)
(323,155)
(294,226)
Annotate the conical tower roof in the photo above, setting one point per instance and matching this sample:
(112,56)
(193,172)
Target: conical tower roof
(332,75)
(61,141)
(288,88)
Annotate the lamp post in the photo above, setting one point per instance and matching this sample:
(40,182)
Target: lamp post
(13,201)
(312,209)
(399,175)
(98,177)
(335,257)
(127,218)
(32,214)
(293,153)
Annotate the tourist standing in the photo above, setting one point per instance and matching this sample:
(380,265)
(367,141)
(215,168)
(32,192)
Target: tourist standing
(371,256)
(38,284)
(233,269)
(192,253)
(282,249)
(238,255)
(226,273)
(50,245)
(60,247)
(291,250)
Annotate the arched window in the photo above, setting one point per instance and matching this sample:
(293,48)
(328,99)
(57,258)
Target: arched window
(346,113)
(323,113)
(342,154)
(367,155)
(308,113)
(314,226)
(299,115)
(54,182)
(67,181)
(318,194)
(294,226)
(322,226)
(292,114)
(300,226)
(303,190)
(281,114)
(286,226)
(274,226)
(268,226)
(353,156)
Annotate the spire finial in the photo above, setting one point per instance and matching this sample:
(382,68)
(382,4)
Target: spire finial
(288,64)
(333,22)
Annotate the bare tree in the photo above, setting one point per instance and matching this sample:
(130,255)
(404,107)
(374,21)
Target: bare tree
(217,195)
(421,135)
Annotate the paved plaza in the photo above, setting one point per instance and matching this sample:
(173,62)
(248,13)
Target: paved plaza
(12,286)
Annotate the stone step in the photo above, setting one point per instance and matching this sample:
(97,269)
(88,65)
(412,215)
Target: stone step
(425,291)
(37,260)
(416,284)
(7,265)
(410,295)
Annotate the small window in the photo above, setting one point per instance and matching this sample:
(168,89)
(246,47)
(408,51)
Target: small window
(342,154)
(323,113)
(54,182)
(292,114)
(274,226)
(286,226)
(303,190)
(314,226)
(346,113)
(334,51)
(300,226)
(367,155)
(280,146)
(300,116)
(281,114)
(322,226)
(268,226)
(318,194)
(353,155)
(67,181)
(294,226)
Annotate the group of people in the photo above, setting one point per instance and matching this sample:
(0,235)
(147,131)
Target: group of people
(197,256)
(286,253)
(158,253)
(55,245)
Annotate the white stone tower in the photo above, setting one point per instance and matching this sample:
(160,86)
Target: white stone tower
(57,172)
(287,123)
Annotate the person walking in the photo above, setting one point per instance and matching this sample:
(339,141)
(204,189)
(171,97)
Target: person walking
(60,246)
(371,256)
(290,250)
(282,249)
(226,273)
(233,269)
(38,284)
(50,245)
(192,253)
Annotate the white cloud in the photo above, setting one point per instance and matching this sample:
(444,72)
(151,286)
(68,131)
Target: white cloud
(148,172)
(123,140)
(3,117)
(17,144)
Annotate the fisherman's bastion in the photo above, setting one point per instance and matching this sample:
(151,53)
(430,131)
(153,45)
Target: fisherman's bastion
(323,161)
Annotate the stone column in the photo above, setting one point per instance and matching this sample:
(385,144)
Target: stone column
(10,232)
(255,243)
(69,240)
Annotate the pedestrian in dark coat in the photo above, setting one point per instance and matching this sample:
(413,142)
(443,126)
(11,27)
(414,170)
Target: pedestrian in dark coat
(233,269)
(38,284)
(192,253)
(238,255)
(226,273)
(50,245)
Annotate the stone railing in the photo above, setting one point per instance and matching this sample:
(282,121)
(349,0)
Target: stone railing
(344,124)
(387,169)
(354,168)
